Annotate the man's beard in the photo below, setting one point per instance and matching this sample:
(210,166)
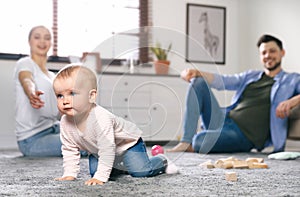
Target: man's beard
(274,67)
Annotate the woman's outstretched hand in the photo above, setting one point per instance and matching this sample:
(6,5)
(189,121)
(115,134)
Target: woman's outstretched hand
(35,99)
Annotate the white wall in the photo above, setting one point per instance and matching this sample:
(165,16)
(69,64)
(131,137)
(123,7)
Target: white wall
(175,20)
(246,21)
(277,17)
(7,105)
(174,13)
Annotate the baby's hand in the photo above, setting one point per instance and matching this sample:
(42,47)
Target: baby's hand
(66,178)
(94,182)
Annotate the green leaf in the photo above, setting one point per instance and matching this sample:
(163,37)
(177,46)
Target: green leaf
(161,54)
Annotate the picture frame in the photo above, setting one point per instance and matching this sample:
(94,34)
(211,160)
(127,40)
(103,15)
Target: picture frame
(205,34)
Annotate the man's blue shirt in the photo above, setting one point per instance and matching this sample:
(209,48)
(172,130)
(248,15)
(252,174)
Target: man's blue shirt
(285,87)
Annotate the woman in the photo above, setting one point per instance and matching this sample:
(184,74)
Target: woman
(37,128)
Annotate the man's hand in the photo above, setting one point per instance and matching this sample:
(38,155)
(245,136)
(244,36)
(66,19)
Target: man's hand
(284,108)
(188,74)
(66,178)
(94,181)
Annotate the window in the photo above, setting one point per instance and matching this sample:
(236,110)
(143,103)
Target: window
(82,25)
(17,17)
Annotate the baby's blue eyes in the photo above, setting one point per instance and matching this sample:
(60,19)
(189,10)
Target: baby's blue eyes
(60,96)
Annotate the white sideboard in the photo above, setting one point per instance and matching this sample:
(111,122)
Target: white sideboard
(155,103)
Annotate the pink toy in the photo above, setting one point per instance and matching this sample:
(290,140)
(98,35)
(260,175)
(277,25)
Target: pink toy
(157,149)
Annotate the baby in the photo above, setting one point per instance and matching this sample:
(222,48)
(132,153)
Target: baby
(110,140)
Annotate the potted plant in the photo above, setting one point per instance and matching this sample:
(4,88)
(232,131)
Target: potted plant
(162,63)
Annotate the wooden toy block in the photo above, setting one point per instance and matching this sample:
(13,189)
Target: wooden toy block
(207,165)
(219,163)
(230,176)
(257,165)
(255,159)
(230,159)
(240,164)
(231,162)
(227,164)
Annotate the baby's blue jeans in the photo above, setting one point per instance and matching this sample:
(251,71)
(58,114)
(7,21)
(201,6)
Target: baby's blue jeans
(134,161)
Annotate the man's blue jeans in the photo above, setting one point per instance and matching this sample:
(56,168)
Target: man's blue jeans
(220,133)
(44,144)
(134,161)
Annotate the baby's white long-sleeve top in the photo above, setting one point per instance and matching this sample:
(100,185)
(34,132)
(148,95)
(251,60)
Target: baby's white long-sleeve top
(105,136)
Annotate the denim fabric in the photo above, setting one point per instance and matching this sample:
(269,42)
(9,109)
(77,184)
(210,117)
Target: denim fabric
(286,86)
(217,136)
(44,144)
(201,103)
(134,161)
(228,139)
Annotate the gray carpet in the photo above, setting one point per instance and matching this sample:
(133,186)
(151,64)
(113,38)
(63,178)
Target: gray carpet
(22,176)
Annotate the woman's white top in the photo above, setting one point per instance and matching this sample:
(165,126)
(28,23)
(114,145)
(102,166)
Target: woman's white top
(30,121)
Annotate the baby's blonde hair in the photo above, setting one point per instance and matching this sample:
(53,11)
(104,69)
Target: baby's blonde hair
(82,71)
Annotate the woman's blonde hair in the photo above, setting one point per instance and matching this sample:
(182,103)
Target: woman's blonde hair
(36,27)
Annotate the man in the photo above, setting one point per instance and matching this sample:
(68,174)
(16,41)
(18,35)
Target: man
(258,116)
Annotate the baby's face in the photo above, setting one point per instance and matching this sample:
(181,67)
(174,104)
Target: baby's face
(72,95)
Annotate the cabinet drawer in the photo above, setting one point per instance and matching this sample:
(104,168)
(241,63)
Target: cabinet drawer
(140,117)
(155,104)
(166,123)
(124,99)
(169,92)
(124,83)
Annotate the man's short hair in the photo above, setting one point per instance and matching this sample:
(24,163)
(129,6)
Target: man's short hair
(268,38)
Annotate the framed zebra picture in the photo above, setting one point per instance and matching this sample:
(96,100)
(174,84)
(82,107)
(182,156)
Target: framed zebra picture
(206,33)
